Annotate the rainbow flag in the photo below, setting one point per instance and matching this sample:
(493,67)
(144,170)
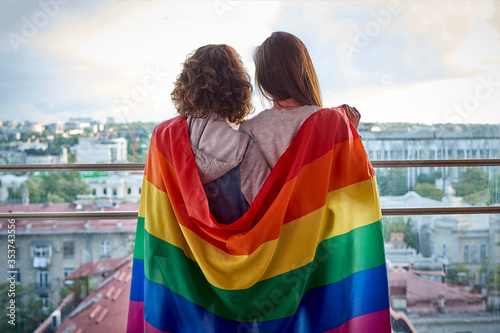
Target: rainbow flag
(308,255)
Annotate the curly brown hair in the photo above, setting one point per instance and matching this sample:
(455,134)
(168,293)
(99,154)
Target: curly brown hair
(213,80)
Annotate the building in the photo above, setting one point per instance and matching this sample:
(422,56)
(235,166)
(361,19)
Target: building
(48,251)
(469,240)
(101,151)
(9,182)
(115,186)
(48,156)
(414,142)
(433,306)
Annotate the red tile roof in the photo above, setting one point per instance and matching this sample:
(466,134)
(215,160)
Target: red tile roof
(97,267)
(422,294)
(69,225)
(105,309)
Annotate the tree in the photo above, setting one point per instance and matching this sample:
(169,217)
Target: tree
(56,187)
(494,277)
(425,178)
(28,312)
(398,224)
(392,181)
(454,269)
(15,193)
(473,180)
(473,186)
(429,191)
(494,189)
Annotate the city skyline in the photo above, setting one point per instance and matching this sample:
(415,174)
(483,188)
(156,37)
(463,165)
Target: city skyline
(423,62)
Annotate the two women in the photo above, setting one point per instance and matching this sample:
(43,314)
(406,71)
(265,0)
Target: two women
(304,254)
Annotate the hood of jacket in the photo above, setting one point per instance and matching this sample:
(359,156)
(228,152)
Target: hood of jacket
(216,146)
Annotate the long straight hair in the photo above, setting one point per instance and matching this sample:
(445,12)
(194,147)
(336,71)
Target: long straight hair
(283,70)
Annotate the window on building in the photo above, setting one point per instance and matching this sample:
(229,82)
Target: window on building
(105,249)
(17,273)
(105,191)
(445,251)
(129,190)
(45,302)
(140,190)
(94,191)
(41,251)
(466,253)
(473,256)
(69,249)
(42,279)
(114,154)
(115,191)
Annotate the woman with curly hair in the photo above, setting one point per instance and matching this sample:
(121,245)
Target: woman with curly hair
(213,91)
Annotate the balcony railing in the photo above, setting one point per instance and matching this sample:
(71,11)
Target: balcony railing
(140,166)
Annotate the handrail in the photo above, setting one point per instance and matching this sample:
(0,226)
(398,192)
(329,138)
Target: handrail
(140,166)
(132,215)
(435,163)
(126,215)
(72,167)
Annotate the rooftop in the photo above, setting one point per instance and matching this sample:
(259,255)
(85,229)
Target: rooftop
(105,309)
(422,295)
(55,226)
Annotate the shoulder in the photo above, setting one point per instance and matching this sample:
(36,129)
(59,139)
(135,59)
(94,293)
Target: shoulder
(336,114)
(261,117)
(169,125)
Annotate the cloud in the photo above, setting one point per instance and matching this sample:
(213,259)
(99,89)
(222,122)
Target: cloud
(458,100)
(87,57)
(103,51)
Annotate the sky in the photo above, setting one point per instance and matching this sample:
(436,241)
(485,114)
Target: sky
(395,61)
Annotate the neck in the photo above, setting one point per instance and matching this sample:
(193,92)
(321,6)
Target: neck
(286,104)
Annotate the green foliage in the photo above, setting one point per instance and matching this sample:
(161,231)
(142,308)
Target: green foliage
(473,180)
(494,189)
(61,141)
(454,269)
(28,314)
(494,278)
(15,193)
(72,158)
(463,189)
(399,224)
(477,197)
(392,181)
(429,191)
(56,187)
(425,178)
(473,186)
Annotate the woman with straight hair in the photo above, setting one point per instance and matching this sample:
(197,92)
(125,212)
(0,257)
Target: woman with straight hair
(320,170)
(285,75)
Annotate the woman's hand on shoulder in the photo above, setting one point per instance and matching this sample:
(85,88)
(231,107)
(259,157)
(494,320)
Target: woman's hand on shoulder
(353,115)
